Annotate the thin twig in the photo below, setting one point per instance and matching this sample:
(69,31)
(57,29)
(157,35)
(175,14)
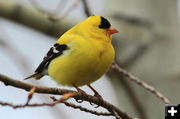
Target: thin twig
(116,115)
(86,8)
(82,108)
(53,104)
(131,93)
(87,110)
(57,91)
(69,10)
(141,83)
(53,16)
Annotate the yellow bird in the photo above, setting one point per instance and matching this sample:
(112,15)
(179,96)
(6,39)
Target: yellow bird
(81,55)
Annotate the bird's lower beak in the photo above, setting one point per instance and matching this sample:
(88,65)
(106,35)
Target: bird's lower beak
(111,30)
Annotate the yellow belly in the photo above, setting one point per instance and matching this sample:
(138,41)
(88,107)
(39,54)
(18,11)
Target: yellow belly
(81,65)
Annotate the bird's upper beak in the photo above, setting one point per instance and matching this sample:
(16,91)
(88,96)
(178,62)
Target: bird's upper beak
(111,30)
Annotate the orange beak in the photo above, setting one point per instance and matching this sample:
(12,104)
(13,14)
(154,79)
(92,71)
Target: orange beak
(111,30)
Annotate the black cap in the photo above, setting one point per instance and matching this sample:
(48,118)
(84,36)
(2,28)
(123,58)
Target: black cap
(104,23)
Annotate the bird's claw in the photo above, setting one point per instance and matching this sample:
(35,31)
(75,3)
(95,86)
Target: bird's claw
(95,106)
(99,98)
(79,101)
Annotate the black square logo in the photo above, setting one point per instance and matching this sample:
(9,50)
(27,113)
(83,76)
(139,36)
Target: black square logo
(172,111)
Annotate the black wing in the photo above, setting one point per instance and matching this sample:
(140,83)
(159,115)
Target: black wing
(54,52)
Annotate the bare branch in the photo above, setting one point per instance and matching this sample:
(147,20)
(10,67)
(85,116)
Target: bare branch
(116,115)
(53,104)
(86,8)
(53,16)
(131,93)
(69,10)
(87,110)
(131,77)
(58,91)
(82,108)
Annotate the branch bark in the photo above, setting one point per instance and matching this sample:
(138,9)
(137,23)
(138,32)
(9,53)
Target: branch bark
(135,79)
(58,91)
(53,104)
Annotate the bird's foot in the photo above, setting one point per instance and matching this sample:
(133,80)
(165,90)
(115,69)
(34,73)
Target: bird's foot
(80,91)
(99,97)
(96,94)
(53,98)
(101,100)
(67,96)
(73,94)
(64,97)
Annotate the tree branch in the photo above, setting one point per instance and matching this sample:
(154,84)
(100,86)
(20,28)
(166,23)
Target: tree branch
(53,16)
(53,104)
(86,8)
(58,91)
(134,99)
(131,77)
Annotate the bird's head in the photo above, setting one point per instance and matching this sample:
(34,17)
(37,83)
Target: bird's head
(98,25)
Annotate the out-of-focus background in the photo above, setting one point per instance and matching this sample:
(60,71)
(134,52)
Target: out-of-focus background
(147,45)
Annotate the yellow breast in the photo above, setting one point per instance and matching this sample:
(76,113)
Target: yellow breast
(84,62)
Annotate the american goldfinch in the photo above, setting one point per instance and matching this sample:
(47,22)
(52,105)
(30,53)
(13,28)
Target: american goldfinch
(81,55)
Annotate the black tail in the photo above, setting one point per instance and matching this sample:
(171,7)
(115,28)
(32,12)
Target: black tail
(35,76)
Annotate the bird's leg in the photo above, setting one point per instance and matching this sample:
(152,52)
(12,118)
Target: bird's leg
(72,94)
(96,94)
(67,96)
(82,92)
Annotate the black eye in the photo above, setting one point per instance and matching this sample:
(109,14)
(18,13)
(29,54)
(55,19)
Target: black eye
(104,23)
